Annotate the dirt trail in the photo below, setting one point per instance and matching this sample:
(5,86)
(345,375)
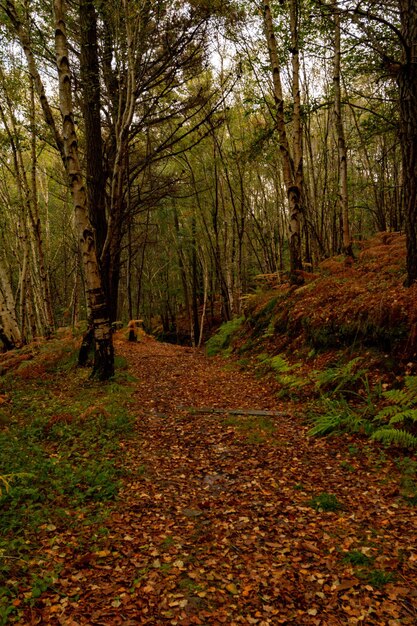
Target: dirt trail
(214,524)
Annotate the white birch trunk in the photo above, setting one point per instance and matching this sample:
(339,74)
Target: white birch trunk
(9,328)
(104,359)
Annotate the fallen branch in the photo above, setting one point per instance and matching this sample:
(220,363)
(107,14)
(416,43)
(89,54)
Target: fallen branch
(218,411)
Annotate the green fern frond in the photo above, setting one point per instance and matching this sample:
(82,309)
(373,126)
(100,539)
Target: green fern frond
(398,396)
(280,364)
(386,412)
(408,414)
(395,437)
(411,384)
(264,356)
(221,340)
(291,381)
(338,416)
(339,379)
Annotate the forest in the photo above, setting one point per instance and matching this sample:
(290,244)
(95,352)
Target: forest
(159,159)
(208,312)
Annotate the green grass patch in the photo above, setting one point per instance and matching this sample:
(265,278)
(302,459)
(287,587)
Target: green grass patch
(325,502)
(189,585)
(378,578)
(357,558)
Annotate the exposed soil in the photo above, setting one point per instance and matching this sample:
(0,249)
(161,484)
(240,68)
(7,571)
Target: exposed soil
(214,525)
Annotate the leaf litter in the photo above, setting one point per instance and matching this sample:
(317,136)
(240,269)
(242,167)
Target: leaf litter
(214,524)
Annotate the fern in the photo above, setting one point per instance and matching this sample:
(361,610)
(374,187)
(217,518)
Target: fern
(221,340)
(397,396)
(408,414)
(280,365)
(401,414)
(387,411)
(338,380)
(326,424)
(6,479)
(395,436)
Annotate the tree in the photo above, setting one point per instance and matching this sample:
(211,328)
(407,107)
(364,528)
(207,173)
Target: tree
(340,134)
(103,353)
(292,164)
(407,84)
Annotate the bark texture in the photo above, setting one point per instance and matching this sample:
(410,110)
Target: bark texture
(407,83)
(103,355)
(340,134)
(292,166)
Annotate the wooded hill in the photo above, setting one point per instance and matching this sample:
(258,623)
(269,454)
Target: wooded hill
(157,157)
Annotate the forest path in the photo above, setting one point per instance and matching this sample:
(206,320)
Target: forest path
(214,525)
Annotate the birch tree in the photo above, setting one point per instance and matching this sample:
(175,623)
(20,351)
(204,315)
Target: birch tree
(103,353)
(292,164)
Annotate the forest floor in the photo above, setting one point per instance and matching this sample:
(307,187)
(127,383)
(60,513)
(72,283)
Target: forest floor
(231,519)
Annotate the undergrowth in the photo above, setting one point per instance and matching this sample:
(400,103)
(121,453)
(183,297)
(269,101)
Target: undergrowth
(347,402)
(397,422)
(285,374)
(221,340)
(60,438)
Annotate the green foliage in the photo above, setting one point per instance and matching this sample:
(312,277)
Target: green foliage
(59,458)
(356,558)
(335,415)
(340,379)
(395,437)
(398,421)
(4,484)
(378,578)
(375,577)
(357,332)
(347,466)
(257,429)
(266,321)
(221,340)
(325,502)
(289,381)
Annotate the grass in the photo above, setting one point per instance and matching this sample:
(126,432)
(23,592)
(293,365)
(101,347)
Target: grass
(325,502)
(378,578)
(60,449)
(362,563)
(357,558)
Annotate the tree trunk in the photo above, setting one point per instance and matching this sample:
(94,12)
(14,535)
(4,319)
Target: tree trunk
(291,165)
(103,354)
(91,103)
(341,144)
(9,328)
(48,323)
(407,83)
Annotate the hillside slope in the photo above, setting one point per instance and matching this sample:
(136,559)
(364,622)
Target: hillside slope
(358,307)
